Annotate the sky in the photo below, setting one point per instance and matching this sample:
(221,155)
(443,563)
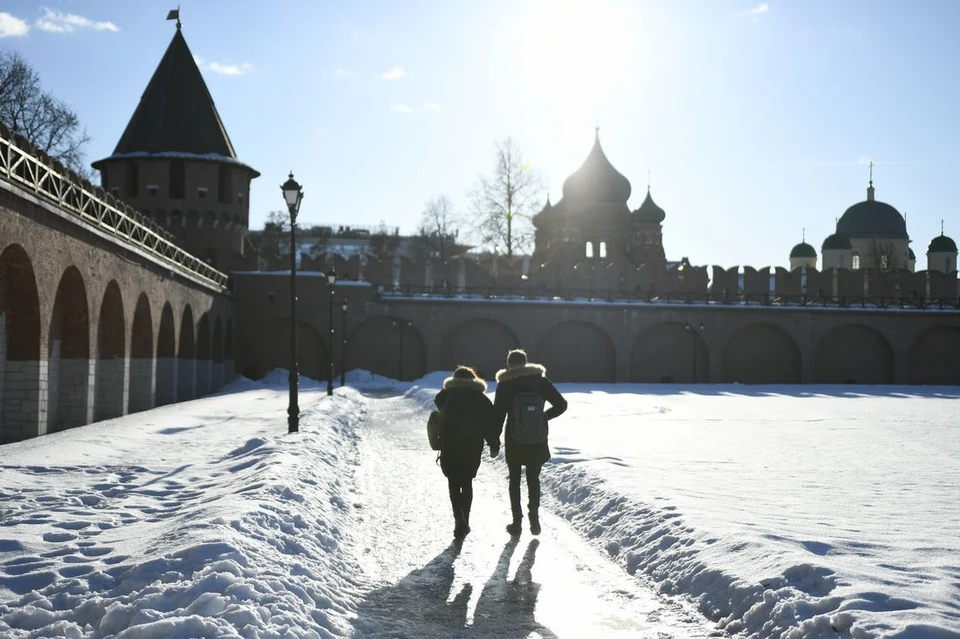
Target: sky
(755,121)
(808,512)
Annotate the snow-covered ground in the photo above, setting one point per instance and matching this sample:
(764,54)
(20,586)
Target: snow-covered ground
(780,511)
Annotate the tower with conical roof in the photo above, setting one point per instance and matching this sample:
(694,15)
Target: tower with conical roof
(592,219)
(176,164)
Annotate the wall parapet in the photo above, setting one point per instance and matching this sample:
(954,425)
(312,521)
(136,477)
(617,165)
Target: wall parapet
(24,165)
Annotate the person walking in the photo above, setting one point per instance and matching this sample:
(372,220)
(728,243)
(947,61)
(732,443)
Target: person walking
(522,389)
(467,423)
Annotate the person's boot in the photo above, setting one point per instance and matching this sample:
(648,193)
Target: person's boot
(465,522)
(515,527)
(534,522)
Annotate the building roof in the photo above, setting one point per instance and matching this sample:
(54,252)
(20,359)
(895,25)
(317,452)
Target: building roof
(803,250)
(649,211)
(836,242)
(596,180)
(176,112)
(942,244)
(872,218)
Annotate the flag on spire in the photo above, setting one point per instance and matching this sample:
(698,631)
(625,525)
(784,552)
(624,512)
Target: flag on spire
(174,14)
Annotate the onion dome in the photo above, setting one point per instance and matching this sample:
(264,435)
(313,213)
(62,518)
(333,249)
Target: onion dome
(911,255)
(649,211)
(872,218)
(596,180)
(803,250)
(942,244)
(538,217)
(836,242)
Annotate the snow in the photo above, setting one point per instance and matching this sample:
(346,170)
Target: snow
(793,511)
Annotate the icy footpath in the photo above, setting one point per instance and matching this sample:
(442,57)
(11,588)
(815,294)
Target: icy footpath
(203,519)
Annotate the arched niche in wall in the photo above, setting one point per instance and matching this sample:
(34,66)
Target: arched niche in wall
(761,354)
(480,343)
(853,354)
(577,351)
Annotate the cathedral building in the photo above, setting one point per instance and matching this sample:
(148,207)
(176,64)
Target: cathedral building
(593,222)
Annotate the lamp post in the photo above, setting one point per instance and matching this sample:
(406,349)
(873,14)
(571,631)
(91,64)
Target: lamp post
(694,334)
(293,195)
(343,343)
(331,280)
(401,325)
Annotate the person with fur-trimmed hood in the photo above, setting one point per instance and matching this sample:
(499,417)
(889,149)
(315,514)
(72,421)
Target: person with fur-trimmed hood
(467,422)
(521,376)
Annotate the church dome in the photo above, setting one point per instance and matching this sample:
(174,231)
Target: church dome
(649,211)
(837,242)
(803,250)
(596,180)
(942,244)
(872,218)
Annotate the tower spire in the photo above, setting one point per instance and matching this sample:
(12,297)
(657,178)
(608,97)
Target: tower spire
(941,226)
(870,191)
(648,181)
(803,235)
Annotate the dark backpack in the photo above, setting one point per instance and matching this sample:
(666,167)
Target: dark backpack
(435,429)
(528,425)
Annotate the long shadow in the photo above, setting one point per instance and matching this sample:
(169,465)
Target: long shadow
(419,605)
(508,608)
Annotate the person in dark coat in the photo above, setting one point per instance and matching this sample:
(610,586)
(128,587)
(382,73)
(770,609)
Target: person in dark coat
(521,376)
(467,423)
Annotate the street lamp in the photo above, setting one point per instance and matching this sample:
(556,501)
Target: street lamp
(694,334)
(331,280)
(401,325)
(293,195)
(343,343)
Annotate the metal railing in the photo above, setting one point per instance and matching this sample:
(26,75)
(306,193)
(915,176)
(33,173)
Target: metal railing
(22,165)
(674,297)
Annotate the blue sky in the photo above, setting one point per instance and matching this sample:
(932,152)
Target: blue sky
(754,119)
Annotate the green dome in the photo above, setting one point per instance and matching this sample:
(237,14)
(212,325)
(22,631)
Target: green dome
(911,255)
(942,244)
(803,250)
(835,242)
(872,218)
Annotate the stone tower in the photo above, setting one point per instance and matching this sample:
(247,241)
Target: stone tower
(175,163)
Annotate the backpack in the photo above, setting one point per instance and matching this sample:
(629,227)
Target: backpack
(528,425)
(435,429)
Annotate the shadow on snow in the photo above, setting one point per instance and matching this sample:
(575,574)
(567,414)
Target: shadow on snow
(421,605)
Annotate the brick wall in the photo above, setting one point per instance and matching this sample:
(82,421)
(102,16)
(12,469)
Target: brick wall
(110,388)
(142,384)
(203,377)
(24,400)
(166,381)
(186,379)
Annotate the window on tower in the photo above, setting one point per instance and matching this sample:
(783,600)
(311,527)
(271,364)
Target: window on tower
(855,262)
(177,179)
(589,250)
(603,250)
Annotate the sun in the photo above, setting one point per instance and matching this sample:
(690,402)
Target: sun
(574,51)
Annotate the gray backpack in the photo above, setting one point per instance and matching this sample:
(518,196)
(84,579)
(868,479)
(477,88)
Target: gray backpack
(527,424)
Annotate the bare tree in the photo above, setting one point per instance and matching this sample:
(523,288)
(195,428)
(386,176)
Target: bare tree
(504,203)
(881,255)
(46,122)
(438,223)
(383,244)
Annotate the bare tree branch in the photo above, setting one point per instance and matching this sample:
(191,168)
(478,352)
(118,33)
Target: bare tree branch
(45,121)
(504,204)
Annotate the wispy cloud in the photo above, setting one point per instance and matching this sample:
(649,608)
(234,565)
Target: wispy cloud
(12,26)
(59,22)
(393,74)
(222,69)
(229,69)
(758,10)
(341,73)
(401,108)
(433,106)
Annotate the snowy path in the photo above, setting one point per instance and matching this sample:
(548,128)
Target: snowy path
(491,585)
